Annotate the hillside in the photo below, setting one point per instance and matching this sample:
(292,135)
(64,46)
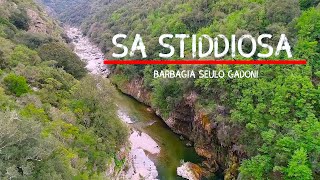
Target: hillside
(265,128)
(74,11)
(51,127)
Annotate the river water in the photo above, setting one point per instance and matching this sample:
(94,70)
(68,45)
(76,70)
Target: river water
(173,150)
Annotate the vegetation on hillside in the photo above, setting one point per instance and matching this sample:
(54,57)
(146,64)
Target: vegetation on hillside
(57,122)
(71,11)
(278,113)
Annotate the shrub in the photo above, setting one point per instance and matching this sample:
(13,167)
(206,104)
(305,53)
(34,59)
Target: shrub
(90,101)
(24,55)
(166,95)
(2,60)
(7,29)
(16,84)
(20,20)
(65,58)
(32,40)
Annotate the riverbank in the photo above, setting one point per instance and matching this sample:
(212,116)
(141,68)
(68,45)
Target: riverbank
(139,163)
(155,151)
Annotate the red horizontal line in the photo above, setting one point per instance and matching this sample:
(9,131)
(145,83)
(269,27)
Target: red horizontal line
(203,62)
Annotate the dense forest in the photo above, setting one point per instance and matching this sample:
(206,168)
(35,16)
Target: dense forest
(273,121)
(52,114)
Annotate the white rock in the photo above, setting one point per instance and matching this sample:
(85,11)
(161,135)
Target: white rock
(141,166)
(144,141)
(124,117)
(186,172)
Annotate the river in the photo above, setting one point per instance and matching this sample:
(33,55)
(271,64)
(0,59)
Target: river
(172,150)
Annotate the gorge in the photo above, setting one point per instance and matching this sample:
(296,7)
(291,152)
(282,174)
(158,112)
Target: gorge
(166,152)
(65,115)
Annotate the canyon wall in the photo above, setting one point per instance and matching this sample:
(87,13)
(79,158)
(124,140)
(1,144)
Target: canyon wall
(216,141)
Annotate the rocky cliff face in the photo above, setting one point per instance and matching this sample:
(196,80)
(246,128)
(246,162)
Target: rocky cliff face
(136,89)
(37,24)
(214,140)
(38,21)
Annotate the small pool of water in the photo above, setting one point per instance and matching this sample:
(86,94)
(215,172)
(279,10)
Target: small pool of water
(173,149)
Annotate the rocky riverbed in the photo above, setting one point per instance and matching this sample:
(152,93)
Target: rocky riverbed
(87,51)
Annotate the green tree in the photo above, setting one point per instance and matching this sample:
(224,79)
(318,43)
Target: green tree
(64,57)
(255,168)
(89,101)
(283,11)
(308,24)
(24,55)
(32,40)
(21,146)
(305,4)
(298,167)
(166,95)
(20,19)
(16,84)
